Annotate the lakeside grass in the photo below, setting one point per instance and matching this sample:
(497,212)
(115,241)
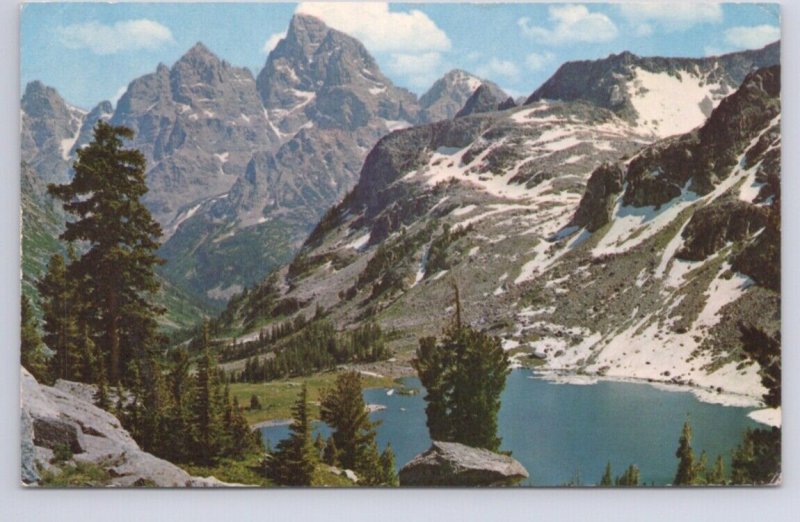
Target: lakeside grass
(278,397)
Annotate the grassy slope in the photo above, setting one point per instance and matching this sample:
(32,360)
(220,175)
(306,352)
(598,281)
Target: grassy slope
(277,397)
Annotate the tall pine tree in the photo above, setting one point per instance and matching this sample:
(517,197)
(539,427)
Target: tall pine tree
(61,331)
(353,440)
(687,469)
(206,409)
(464,375)
(32,355)
(295,458)
(117,269)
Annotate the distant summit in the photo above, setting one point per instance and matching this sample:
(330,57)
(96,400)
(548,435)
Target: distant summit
(449,94)
(486,98)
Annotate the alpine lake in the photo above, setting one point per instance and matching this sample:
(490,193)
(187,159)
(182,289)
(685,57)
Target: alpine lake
(566,433)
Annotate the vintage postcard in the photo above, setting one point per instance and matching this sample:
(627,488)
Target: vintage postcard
(392,245)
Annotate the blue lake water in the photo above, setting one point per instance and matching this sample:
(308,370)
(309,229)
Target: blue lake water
(560,431)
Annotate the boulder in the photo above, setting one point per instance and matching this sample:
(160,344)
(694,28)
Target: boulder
(454,464)
(52,418)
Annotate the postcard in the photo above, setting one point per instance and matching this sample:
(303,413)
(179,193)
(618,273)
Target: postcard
(400,245)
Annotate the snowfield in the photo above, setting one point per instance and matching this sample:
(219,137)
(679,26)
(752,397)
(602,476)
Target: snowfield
(672,105)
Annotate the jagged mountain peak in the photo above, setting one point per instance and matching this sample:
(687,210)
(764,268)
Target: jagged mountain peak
(448,95)
(200,64)
(486,98)
(35,88)
(306,32)
(42,100)
(49,129)
(317,73)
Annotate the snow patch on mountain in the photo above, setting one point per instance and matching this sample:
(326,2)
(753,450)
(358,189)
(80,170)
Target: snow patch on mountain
(672,104)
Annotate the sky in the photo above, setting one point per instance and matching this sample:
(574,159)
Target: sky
(90,51)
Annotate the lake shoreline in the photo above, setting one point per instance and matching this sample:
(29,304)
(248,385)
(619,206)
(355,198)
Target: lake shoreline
(703,393)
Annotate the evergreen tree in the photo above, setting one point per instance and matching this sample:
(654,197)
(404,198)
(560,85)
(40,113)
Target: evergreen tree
(330,455)
(717,474)
(240,435)
(319,445)
(205,407)
(116,272)
(464,376)
(388,475)
(687,470)
(701,470)
(757,459)
(32,354)
(631,477)
(342,408)
(295,458)
(178,417)
(607,479)
(61,332)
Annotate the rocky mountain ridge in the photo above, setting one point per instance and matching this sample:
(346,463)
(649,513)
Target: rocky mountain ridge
(669,96)
(544,214)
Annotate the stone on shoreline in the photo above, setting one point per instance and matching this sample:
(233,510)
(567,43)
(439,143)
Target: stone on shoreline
(454,464)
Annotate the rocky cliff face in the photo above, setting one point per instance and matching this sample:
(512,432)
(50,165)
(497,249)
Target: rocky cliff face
(665,95)
(329,104)
(50,127)
(486,98)
(198,124)
(57,419)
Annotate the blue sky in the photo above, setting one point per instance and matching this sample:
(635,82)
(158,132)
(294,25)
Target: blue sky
(90,52)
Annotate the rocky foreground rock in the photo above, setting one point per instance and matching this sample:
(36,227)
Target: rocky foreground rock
(54,419)
(454,464)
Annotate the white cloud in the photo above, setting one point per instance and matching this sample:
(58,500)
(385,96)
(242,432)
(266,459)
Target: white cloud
(571,24)
(752,37)
(420,69)
(272,41)
(127,35)
(538,61)
(669,16)
(380,29)
(496,68)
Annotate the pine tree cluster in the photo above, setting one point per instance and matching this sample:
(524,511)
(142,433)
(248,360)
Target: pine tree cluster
(352,445)
(317,347)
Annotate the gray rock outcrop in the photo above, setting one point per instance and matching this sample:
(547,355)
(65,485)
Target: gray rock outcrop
(602,189)
(448,95)
(49,127)
(54,420)
(486,98)
(454,464)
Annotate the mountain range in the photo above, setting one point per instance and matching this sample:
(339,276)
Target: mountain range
(576,231)
(240,168)
(620,222)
